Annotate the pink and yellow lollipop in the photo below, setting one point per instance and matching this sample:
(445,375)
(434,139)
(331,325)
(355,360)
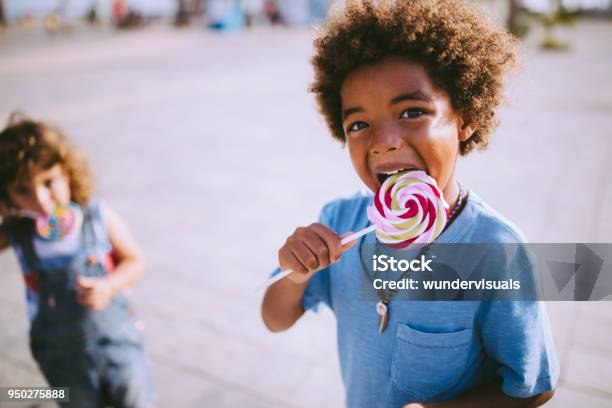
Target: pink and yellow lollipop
(59,223)
(408,208)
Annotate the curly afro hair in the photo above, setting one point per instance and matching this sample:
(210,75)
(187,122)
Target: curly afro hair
(464,54)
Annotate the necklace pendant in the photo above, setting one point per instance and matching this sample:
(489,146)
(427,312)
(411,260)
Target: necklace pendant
(383,312)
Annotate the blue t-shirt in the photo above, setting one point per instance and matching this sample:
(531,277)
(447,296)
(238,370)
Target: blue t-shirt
(432,350)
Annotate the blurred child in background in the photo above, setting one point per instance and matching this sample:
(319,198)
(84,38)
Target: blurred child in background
(77,257)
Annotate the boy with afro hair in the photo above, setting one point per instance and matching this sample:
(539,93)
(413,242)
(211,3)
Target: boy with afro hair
(412,85)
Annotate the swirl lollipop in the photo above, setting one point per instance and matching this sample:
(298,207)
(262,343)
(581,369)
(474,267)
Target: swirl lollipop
(408,208)
(59,223)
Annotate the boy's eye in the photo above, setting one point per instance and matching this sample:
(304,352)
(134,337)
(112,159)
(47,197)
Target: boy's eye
(412,113)
(357,126)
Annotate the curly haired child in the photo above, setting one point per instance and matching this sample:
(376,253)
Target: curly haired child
(413,85)
(82,332)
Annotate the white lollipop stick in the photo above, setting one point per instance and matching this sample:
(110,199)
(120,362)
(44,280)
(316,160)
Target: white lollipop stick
(344,241)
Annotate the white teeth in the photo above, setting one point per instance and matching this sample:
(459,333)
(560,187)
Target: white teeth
(390,173)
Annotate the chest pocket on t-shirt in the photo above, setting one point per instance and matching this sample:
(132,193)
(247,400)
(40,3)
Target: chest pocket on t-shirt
(426,365)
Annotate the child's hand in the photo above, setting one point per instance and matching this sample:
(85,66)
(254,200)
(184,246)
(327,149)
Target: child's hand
(94,293)
(310,249)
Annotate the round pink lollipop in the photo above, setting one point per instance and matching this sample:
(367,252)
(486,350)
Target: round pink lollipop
(408,208)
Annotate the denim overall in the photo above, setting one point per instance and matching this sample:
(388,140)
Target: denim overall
(99,355)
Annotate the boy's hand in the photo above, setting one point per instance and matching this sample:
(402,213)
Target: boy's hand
(310,249)
(94,293)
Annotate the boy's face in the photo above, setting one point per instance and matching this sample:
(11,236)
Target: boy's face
(394,118)
(45,190)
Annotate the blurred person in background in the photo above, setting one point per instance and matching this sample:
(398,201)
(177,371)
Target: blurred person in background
(120,10)
(126,17)
(57,21)
(272,12)
(77,257)
(182,14)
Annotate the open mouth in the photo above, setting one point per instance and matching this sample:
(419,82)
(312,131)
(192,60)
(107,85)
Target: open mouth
(384,175)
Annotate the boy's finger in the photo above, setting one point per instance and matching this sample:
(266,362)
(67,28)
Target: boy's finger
(288,260)
(307,259)
(331,240)
(318,247)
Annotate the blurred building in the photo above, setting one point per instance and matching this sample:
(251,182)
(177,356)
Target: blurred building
(16,9)
(293,12)
(582,5)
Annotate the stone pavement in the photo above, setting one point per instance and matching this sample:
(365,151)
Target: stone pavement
(212,150)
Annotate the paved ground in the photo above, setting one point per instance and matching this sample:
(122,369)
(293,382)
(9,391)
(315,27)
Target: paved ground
(213,151)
